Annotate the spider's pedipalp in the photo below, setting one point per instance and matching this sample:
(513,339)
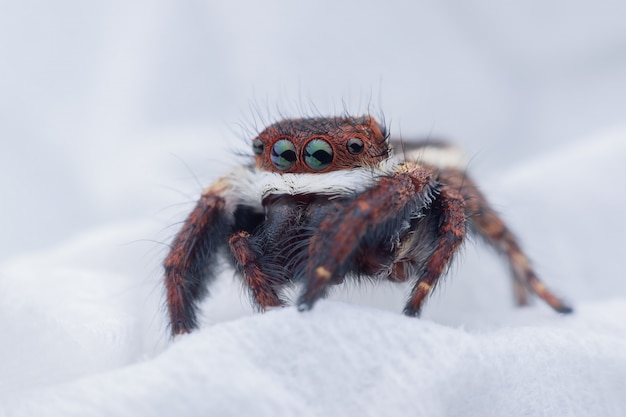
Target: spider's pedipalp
(262,286)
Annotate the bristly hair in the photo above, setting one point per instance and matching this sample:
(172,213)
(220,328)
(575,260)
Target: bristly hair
(259,116)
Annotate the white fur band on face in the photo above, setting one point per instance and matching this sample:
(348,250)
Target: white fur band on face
(250,185)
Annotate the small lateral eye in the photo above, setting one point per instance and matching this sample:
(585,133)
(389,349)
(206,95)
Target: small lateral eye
(257,147)
(283,154)
(355,146)
(318,154)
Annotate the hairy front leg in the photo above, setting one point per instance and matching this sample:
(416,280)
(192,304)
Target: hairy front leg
(450,207)
(332,247)
(191,261)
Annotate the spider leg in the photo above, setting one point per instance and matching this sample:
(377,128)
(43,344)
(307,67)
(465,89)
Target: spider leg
(450,235)
(332,247)
(488,224)
(192,254)
(520,293)
(260,284)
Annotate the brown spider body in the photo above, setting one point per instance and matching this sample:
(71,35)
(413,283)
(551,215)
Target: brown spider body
(325,199)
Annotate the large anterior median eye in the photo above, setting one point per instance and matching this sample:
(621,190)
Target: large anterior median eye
(283,154)
(318,154)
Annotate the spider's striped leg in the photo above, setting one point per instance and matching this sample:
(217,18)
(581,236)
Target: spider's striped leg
(488,224)
(262,286)
(192,258)
(450,208)
(389,204)
(498,235)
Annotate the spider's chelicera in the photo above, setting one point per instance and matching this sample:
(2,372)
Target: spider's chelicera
(324,199)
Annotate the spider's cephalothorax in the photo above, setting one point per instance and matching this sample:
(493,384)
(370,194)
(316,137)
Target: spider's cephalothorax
(326,199)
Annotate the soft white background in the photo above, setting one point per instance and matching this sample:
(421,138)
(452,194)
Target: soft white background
(114,115)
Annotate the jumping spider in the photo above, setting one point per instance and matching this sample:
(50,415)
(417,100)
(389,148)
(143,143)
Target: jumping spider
(327,198)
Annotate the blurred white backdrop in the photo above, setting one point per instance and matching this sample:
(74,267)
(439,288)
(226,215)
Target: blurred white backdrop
(147,91)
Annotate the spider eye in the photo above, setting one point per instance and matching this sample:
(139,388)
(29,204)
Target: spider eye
(257,147)
(318,154)
(283,154)
(355,146)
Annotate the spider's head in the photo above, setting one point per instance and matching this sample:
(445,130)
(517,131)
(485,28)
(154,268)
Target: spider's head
(320,144)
